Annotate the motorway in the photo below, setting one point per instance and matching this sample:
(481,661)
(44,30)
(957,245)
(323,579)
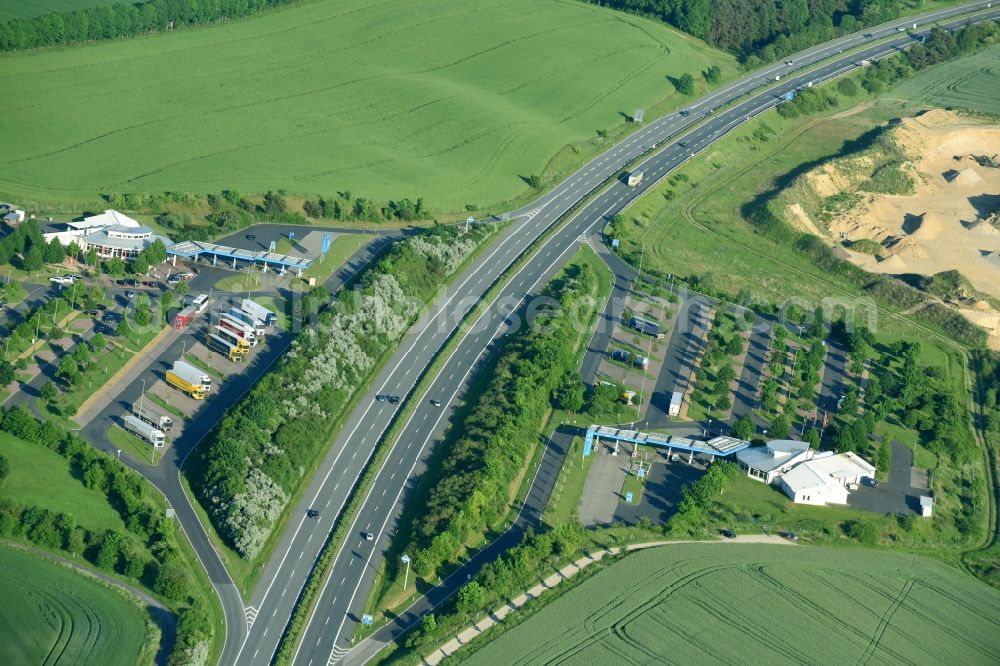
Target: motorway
(328,635)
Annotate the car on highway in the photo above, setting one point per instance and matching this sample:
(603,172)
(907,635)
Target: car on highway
(312,513)
(685,112)
(682,144)
(393,399)
(380,398)
(729,534)
(436,403)
(789,62)
(369,536)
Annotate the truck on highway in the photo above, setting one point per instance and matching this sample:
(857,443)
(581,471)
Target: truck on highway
(185,317)
(249,320)
(634,178)
(232,339)
(675,403)
(152,415)
(238,327)
(259,312)
(224,347)
(144,431)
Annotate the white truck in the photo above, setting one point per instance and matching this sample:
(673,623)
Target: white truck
(634,178)
(192,375)
(675,403)
(144,431)
(152,414)
(259,312)
(258,325)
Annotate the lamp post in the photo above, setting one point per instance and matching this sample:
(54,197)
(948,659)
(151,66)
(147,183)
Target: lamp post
(406,576)
(119,455)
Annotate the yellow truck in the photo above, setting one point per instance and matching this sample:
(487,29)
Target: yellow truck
(185,377)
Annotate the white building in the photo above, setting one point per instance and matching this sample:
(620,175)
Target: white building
(769,462)
(825,479)
(111,234)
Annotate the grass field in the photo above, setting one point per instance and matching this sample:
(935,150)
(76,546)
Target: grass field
(453,102)
(40,477)
(52,615)
(972,82)
(24,9)
(756,604)
(134,447)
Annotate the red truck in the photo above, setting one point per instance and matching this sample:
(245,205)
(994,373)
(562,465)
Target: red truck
(185,317)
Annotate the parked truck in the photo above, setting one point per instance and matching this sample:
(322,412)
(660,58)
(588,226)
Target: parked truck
(224,347)
(232,339)
(259,312)
(152,414)
(238,327)
(675,403)
(185,317)
(635,177)
(189,379)
(144,431)
(249,320)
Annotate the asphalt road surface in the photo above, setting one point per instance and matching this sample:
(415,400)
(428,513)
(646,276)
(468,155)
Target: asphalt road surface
(328,635)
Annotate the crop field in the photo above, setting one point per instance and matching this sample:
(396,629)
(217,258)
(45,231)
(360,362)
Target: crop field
(454,102)
(24,9)
(758,604)
(52,615)
(39,477)
(972,82)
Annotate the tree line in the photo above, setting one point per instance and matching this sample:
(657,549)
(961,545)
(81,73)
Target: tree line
(122,20)
(760,31)
(469,493)
(120,551)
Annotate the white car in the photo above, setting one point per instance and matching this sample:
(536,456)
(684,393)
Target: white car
(61,279)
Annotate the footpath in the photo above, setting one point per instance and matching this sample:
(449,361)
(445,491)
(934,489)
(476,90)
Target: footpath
(498,614)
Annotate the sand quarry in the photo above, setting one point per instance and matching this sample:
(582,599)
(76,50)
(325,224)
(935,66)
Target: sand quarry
(945,224)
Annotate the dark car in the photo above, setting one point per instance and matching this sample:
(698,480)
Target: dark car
(108,318)
(791,536)
(312,513)
(729,534)
(870,481)
(394,399)
(685,112)
(682,144)
(251,237)
(380,398)
(436,403)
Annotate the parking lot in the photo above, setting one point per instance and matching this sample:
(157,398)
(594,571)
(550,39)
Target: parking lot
(899,493)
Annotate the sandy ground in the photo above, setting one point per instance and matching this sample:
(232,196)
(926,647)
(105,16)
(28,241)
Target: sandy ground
(944,225)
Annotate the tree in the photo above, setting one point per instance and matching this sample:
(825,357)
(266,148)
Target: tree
(55,253)
(847,87)
(569,394)
(4,467)
(812,436)
(98,343)
(72,250)
(779,427)
(744,427)
(34,259)
(48,391)
(685,84)
(115,266)
(140,266)
(534,182)
(471,598)
(91,257)
(713,74)
(68,369)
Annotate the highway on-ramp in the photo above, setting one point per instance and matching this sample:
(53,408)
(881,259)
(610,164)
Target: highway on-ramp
(331,626)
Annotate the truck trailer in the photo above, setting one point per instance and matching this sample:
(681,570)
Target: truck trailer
(259,312)
(675,403)
(184,318)
(249,320)
(144,431)
(192,375)
(152,414)
(238,327)
(232,339)
(635,177)
(227,349)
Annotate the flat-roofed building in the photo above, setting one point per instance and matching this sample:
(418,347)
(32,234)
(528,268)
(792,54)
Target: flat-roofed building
(767,463)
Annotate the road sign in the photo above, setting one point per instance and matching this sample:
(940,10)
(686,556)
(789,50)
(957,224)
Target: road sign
(367,620)
(615,242)
(642,472)
(326,244)
(273,246)
(291,235)
(639,115)
(405,558)
(628,497)
(790,95)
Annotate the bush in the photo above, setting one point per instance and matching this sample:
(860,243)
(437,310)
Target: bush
(848,87)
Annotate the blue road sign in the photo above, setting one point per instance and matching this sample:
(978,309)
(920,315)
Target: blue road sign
(642,472)
(326,244)
(291,235)
(367,620)
(628,497)
(790,95)
(405,558)
(615,242)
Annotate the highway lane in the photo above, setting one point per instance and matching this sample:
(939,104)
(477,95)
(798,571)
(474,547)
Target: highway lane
(339,605)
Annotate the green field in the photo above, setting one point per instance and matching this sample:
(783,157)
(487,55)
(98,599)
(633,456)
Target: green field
(40,477)
(453,102)
(24,9)
(972,82)
(756,604)
(51,615)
